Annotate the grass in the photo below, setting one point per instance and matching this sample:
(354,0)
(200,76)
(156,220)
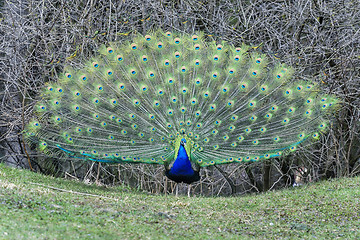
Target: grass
(33,206)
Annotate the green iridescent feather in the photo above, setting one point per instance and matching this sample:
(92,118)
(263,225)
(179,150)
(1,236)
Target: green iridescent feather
(136,100)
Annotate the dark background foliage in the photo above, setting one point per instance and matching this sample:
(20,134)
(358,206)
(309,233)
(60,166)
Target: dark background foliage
(319,38)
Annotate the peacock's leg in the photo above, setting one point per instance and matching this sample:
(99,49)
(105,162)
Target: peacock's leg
(177,190)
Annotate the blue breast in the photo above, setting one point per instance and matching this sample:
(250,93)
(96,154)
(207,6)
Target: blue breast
(181,170)
(182,164)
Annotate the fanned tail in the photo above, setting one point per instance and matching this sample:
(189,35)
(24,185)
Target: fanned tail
(129,104)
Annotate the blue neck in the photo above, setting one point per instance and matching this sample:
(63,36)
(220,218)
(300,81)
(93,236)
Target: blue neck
(182,164)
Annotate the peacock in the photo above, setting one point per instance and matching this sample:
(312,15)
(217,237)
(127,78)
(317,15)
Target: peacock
(180,100)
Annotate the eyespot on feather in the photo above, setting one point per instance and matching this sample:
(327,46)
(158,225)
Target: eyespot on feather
(95,64)
(109,50)
(134,46)
(148,38)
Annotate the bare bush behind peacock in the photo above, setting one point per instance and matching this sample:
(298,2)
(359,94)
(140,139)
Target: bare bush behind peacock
(181,101)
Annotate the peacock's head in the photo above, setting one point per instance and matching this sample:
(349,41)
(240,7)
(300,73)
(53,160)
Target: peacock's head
(183,142)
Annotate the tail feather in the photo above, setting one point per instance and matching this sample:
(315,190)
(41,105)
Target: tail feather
(130,102)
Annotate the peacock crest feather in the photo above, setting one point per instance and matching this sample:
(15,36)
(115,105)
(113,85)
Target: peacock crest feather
(167,96)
